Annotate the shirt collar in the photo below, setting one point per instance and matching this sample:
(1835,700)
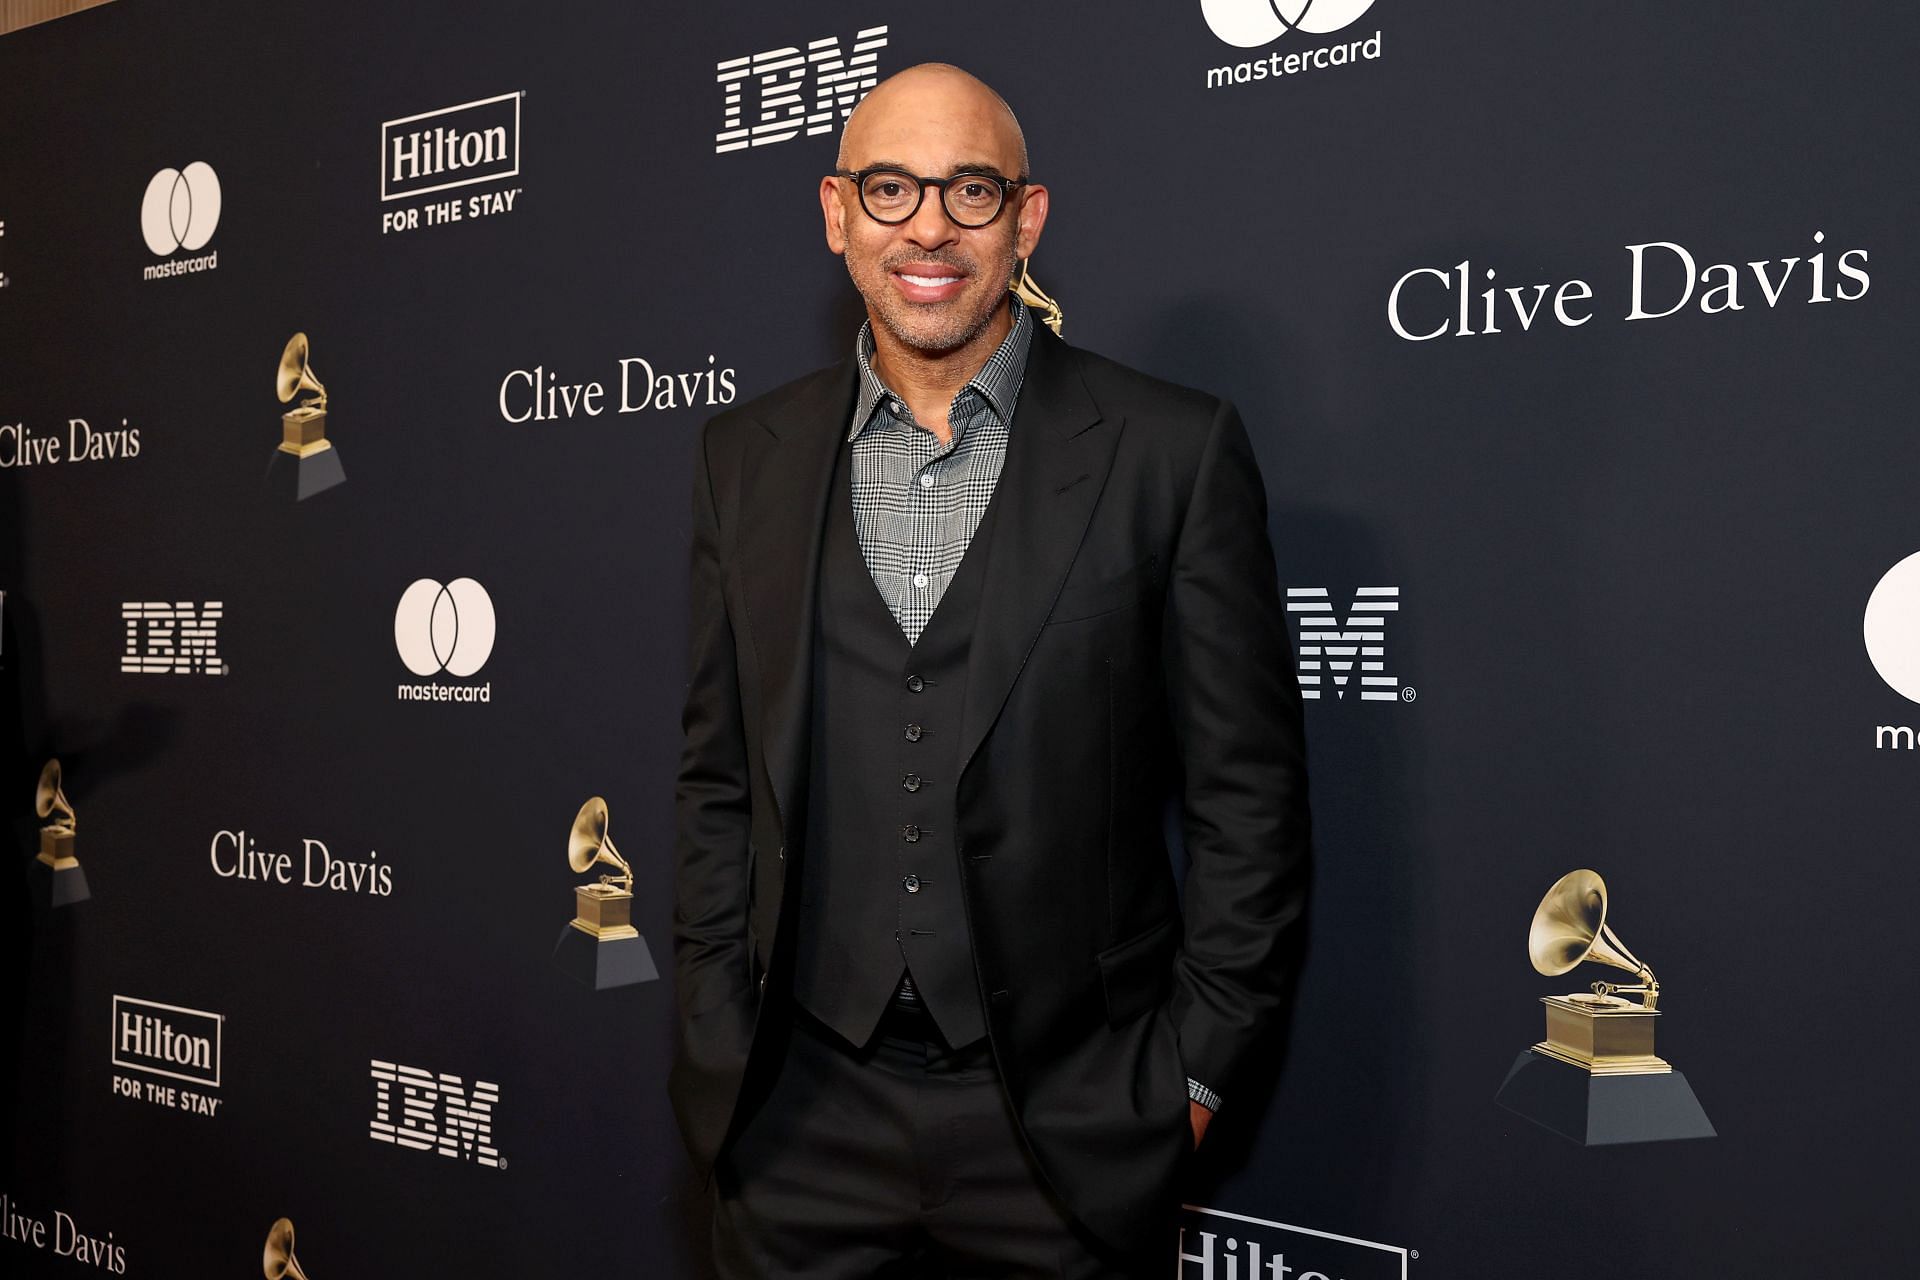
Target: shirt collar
(998,381)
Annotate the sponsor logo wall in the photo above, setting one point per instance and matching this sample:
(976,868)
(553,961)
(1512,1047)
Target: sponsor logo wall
(1578,603)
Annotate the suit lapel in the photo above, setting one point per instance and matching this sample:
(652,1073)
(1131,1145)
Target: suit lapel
(785,488)
(1058,454)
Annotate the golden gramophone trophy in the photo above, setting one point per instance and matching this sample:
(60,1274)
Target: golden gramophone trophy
(1595,1078)
(59,881)
(1024,288)
(305,463)
(600,948)
(277,1261)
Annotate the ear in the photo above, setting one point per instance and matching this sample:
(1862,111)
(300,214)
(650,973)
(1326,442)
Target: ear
(1033,216)
(833,209)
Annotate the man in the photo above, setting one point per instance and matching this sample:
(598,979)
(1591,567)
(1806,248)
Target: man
(968,609)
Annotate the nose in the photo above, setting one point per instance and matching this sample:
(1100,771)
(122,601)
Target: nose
(930,227)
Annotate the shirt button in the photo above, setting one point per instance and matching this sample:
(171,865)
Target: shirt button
(911,884)
(911,782)
(919,579)
(926,480)
(910,833)
(915,683)
(913,733)
(898,407)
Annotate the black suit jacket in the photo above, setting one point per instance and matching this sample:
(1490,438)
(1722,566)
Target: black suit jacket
(1130,647)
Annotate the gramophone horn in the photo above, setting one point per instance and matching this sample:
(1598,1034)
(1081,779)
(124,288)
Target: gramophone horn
(278,1261)
(588,842)
(48,797)
(295,373)
(1024,288)
(1570,927)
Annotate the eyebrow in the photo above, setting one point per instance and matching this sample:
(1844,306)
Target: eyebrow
(991,170)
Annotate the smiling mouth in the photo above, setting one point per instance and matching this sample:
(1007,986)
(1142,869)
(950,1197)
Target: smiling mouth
(941,284)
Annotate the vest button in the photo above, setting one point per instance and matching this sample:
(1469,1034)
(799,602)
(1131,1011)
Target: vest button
(911,782)
(913,733)
(910,833)
(911,884)
(915,683)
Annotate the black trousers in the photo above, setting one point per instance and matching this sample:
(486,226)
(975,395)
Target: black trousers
(897,1159)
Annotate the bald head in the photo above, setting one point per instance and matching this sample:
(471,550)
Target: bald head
(934,99)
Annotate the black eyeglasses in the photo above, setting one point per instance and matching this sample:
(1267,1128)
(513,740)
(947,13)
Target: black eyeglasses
(891,196)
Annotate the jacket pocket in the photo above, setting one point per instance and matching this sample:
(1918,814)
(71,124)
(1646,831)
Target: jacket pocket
(1137,975)
(1104,595)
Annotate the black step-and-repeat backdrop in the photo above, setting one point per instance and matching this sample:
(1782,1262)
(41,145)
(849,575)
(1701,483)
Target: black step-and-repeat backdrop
(1575,341)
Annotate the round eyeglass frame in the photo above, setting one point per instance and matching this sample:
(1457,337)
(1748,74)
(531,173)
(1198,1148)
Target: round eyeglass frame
(859,179)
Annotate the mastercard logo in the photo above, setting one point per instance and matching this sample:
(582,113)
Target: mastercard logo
(1252,23)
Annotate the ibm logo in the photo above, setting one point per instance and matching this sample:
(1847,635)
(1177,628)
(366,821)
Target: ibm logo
(1330,651)
(172,639)
(779,82)
(435,1113)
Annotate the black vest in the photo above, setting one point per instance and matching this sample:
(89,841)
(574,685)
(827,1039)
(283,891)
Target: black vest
(880,888)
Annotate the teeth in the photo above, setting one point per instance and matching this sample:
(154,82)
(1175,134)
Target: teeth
(931,282)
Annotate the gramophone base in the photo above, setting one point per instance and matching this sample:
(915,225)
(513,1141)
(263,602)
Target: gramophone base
(1602,1110)
(295,479)
(610,962)
(59,885)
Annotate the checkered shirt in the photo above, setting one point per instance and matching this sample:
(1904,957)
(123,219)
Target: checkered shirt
(916,502)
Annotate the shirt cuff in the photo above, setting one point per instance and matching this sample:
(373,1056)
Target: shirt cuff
(1202,1095)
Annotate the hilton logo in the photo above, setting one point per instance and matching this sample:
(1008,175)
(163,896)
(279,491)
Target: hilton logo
(172,639)
(1216,1245)
(435,151)
(778,78)
(422,1111)
(171,1042)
